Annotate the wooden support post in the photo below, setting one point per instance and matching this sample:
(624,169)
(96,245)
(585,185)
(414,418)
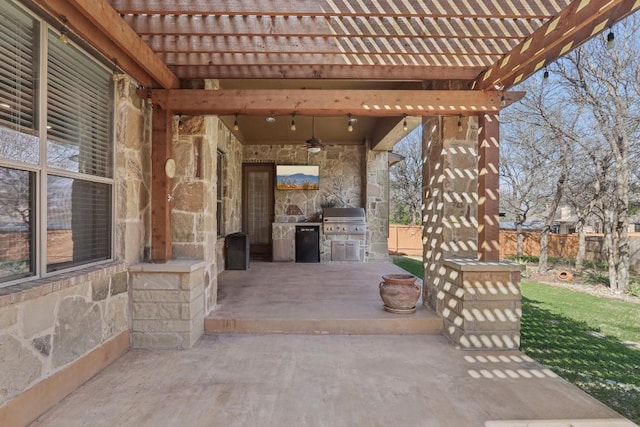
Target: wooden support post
(488,187)
(161,186)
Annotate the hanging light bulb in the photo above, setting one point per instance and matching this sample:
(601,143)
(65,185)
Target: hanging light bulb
(503,101)
(236,126)
(545,75)
(63,37)
(610,38)
(350,123)
(404,123)
(149,98)
(460,123)
(293,122)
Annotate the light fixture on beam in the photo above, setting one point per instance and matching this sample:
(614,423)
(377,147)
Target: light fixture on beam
(64,37)
(503,100)
(293,122)
(404,123)
(270,119)
(610,38)
(236,126)
(350,123)
(460,123)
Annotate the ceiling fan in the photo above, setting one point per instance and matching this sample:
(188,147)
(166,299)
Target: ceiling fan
(314,145)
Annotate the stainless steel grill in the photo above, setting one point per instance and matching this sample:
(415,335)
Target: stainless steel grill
(343,221)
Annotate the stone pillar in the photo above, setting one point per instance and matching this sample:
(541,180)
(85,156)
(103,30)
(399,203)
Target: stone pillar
(480,304)
(167,309)
(478,300)
(450,199)
(377,205)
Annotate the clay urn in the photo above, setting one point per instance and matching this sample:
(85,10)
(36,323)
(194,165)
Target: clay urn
(399,293)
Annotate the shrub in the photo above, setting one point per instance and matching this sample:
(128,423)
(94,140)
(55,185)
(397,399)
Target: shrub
(634,288)
(598,278)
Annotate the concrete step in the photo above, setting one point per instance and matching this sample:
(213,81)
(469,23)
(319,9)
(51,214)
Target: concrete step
(422,322)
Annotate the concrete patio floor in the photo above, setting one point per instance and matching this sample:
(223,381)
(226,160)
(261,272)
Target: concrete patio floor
(323,378)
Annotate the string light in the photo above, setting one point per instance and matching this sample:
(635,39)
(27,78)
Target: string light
(610,38)
(293,122)
(64,37)
(149,98)
(460,123)
(503,101)
(404,123)
(350,123)
(236,126)
(545,75)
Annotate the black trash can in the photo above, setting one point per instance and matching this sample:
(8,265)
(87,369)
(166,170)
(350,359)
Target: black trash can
(237,251)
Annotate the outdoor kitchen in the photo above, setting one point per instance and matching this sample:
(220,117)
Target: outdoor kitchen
(341,236)
(346,215)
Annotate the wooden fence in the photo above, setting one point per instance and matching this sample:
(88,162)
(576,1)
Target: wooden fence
(407,240)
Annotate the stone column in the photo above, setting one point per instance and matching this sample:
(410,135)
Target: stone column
(167,309)
(478,300)
(377,205)
(450,198)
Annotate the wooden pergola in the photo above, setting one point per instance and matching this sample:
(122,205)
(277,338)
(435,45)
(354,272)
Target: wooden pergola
(370,58)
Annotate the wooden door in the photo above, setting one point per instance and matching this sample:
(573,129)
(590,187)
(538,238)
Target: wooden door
(258,207)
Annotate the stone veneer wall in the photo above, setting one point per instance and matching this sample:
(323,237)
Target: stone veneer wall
(377,207)
(341,178)
(450,196)
(341,185)
(48,324)
(193,208)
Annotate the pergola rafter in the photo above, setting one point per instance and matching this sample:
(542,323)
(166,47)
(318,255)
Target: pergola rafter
(542,9)
(493,42)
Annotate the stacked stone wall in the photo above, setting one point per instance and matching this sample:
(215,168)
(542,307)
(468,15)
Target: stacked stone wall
(133,174)
(197,141)
(341,176)
(377,208)
(53,323)
(480,304)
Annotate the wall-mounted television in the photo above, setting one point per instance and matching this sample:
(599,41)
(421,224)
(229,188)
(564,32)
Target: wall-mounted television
(297,177)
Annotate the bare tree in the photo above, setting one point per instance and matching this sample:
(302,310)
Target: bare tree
(604,84)
(405,179)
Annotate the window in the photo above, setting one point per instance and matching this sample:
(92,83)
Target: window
(56,159)
(220,183)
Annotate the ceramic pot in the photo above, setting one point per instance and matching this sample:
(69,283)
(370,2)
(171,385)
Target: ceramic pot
(399,279)
(401,298)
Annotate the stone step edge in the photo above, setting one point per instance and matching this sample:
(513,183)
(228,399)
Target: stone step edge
(325,326)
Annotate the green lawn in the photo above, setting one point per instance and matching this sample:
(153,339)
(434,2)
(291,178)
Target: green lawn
(579,336)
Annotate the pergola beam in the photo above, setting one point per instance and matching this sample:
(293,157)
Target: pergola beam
(576,24)
(332,102)
(108,21)
(436,8)
(332,45)
(350,72)
(298,26)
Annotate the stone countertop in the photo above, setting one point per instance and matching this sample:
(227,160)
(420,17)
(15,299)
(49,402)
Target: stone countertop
(279,224)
